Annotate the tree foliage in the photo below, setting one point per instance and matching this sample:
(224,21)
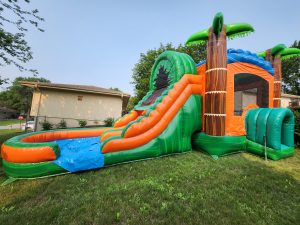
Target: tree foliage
(291,73)
(115,89)
(19,97)
(142,70)
(82,123)
(108,122)
(3,80)
(14,49)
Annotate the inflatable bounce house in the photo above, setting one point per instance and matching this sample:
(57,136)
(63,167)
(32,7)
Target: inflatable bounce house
(227,103)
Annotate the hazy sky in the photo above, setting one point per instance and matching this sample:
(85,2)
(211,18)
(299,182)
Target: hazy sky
(97,42)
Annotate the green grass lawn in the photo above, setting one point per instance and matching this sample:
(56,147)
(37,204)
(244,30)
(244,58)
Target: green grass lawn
(9,131)
(9,122)
(6,134)
(190,188)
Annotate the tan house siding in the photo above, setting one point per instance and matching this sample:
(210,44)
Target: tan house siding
(245,99)
(73,106)
(285,102)
(238,100)
(288,100)
(249,98)
(242,99)
(35,103)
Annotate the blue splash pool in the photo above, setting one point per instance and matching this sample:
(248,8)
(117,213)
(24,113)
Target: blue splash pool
(80,154)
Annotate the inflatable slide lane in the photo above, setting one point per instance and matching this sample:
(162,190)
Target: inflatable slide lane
(161,123)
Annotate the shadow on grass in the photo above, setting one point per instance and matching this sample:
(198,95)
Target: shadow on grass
(184,189)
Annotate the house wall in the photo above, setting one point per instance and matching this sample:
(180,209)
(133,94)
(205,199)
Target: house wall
(35,103)
(249,98)
(57,105)
(237,102)
(285,101)
(242,100)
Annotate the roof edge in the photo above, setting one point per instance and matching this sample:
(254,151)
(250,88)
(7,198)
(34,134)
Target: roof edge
(76,89)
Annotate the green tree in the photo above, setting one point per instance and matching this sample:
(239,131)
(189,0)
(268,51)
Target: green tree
(142,70)
(19,97)
(115,89)
(3,80)
(14,49)
(291,73)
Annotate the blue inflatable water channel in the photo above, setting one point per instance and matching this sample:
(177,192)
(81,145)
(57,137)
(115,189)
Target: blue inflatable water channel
(80,154)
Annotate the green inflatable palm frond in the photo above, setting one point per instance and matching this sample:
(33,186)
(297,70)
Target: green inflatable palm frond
(202,36)
(277,49)
(232,30)
(238,30)
(218,23)
(198,38)
(289,53)
(285,53)
(262,54)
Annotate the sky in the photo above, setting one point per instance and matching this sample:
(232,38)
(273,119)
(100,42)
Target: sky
(98,42)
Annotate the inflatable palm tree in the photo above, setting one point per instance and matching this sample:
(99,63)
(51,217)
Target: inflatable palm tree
(275,55)
(231,30)
(216,69)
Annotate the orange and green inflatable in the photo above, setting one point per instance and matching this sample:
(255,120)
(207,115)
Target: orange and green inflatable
(173,117)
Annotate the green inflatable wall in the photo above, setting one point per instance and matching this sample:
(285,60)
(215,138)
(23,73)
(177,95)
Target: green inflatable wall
(269,131)
(276,124)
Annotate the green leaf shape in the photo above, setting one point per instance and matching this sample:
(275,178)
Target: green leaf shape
(218,23)
(262,54)
(289,53)
(198,38)
(235,30)
(232,31)
(277,49)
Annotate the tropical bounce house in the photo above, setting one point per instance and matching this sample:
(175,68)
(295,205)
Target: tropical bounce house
(228,103)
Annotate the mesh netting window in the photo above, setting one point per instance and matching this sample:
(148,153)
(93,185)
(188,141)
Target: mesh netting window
(249,89)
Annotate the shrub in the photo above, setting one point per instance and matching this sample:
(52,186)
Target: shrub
(108,122)
(46,125)
(297,128)
(82,123)
(62,124)
(4,137)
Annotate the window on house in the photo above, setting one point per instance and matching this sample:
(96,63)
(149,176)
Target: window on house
(80,98)
(249,89)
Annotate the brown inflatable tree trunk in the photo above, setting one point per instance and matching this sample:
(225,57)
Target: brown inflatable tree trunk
(216,70)
(276,63)
(215,83)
